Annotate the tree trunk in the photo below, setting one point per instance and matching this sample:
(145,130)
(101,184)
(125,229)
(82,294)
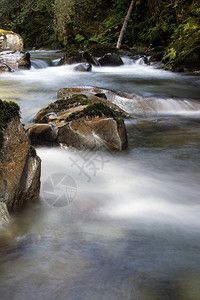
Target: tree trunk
(119,42)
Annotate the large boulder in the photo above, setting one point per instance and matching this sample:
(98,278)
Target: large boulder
(19,164)
(10,61)
(12,56)
(111,59)
(81,123)
(75,56)
(95,95)
(10,41)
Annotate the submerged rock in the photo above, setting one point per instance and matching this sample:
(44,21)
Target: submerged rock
(81,123)
(84,67)
(19,164)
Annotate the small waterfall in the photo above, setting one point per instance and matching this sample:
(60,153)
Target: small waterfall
(127,60)
(144,60)
(154,107)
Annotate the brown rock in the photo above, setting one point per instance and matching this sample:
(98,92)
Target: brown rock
(94,134)
(42,134)
(4,215)
(80,122)
(19,168)
(10,41)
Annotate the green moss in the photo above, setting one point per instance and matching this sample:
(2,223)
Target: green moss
(8,110)
(32,151)
(184,51)
(73,101)
(96,109)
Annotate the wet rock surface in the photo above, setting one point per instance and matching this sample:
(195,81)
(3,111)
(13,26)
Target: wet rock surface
(10,61)
(79,122)
(19,166)
(12,56)
(95,95)
(10,41)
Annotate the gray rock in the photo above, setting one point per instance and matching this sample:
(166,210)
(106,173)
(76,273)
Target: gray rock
(14,60)
(84,67)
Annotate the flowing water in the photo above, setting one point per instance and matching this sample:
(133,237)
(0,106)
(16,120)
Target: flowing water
(129,224)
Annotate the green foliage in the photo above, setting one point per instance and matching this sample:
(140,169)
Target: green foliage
(185,42)
(174,24)
(79,38)
(8,110)
(32,19)
(77,21)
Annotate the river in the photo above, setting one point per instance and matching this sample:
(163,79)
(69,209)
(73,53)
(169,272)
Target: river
(129,228)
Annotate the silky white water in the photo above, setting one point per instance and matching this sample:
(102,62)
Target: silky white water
(131,224)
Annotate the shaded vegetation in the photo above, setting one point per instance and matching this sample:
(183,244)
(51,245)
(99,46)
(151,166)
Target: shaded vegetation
(8,110)
(95,25)
(32,19)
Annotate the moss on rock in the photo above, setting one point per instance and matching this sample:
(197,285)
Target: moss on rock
(102,49)
(96,109)
(73,101)
(8,110)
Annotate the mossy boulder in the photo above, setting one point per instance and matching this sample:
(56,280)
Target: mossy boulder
(10,41)
(79,122)
(111,59)
(73,56)
(8,111)
(19,164)
(102,49)
(95,94)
